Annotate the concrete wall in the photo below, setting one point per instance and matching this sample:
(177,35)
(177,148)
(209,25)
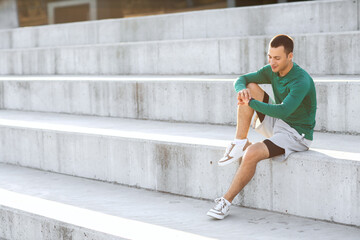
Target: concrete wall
(191,169)
(23,225)
(336,111)
(358,2)
(324,54)
(304,17)
(8,15)
(203,101)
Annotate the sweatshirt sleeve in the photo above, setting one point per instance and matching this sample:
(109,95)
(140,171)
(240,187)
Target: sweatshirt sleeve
(298,91)
(259,77)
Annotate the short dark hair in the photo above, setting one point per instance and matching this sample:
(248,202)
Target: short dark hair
(283,40)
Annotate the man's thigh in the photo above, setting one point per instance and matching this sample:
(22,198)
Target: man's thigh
(282,140)
(256,91)
(264,124)
(289,139)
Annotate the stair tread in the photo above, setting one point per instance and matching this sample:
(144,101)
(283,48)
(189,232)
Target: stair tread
(337,145)
(122,211)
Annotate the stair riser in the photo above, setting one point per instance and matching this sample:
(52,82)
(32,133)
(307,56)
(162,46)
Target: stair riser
(20,225)
(320,185)
(324,54)
(183,101)
(312,17)
(191,170)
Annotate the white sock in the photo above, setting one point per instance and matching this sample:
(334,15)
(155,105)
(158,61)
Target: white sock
(240,141)
(227,202)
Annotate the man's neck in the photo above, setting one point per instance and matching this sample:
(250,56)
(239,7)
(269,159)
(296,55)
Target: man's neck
(287,70)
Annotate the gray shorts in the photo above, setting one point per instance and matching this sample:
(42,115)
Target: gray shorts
(282,135)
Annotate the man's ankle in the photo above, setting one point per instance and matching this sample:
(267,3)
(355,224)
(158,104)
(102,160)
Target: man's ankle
(227,200)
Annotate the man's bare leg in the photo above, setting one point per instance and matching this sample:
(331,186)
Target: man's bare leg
(250,157)
(254,154)
(245,113)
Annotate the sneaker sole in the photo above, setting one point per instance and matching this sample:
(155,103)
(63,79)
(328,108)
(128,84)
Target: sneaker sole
(228,161)
(217,216)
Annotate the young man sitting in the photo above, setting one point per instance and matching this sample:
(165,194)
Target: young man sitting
(287,122)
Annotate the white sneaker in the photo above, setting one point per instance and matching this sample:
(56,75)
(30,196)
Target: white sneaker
(232,153)
(221,209)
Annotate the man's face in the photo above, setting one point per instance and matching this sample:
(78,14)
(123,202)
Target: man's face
(278,59)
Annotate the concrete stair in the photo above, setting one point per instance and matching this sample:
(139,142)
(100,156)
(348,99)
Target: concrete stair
(40,205)
(182,159)
(318,53)
(149,103)
(200,99)
(305,17)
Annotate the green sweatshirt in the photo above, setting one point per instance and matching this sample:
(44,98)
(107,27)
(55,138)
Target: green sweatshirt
(295,97)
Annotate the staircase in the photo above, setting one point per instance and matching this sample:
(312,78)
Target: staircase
(149,103)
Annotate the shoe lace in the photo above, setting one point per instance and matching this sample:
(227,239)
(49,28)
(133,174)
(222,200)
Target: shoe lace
(228,149)
(220,203)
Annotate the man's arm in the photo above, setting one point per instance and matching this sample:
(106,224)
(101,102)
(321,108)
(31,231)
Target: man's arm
(292,101)
(259,77)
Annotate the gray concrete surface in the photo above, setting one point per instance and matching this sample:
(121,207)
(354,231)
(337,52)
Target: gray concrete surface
(318,53)
(304,17)
(181,159)
(202,99)
(8,18)
(64,207)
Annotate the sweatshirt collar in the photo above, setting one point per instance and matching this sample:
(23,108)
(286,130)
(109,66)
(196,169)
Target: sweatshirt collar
(291,70)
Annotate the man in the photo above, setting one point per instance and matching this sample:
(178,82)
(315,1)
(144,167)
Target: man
(287,123)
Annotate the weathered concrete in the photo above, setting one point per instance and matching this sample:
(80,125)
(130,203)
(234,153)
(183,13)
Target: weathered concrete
(202,99)
(8,14)
(181,159)
(28,224)
(358,2)
(5,37)
(29,197)
(326,53)
(306,17)
(336,111)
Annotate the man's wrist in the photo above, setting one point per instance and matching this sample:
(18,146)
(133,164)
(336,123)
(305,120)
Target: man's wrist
(250,101)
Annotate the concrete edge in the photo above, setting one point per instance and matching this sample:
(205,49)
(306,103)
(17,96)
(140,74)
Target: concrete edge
(57,220)
(157,172)
(216,39)
(162,78)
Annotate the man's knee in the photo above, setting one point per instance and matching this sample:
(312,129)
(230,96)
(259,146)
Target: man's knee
(255,153)
(256,91)
(252,85)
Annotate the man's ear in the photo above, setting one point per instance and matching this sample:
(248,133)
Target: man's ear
(290,56)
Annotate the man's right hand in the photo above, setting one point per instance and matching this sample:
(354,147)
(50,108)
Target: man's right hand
(244,97)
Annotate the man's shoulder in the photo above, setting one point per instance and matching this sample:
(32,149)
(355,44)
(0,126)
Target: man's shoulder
(299,78)
(266,68)
(266,71)
(301,73)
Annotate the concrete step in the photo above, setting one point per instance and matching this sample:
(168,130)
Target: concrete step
(178,158)
(41,205)
(201,99)
(322,53)
(309,17)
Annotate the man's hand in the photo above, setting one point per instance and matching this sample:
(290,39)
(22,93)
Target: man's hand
(244,97)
